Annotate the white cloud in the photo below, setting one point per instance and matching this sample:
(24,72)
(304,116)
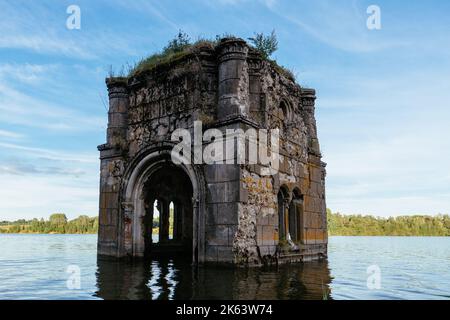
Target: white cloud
(336,24)
(25,73)
(37,182)
(17,108)
(10,134)
(387,152)
(52,154)
(36,28)
(39,196)
(153,8)
(53,45)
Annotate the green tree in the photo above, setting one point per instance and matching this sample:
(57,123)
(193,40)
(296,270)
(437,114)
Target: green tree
(354,225)
(58,219)
(266,45)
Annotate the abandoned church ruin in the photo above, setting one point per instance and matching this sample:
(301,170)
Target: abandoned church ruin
(214,213)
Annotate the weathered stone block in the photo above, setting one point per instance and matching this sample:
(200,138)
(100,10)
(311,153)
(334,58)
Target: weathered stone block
(225,254)
(268,235)
(227,213)
(312,204)
(211,253)
(108,217)
(107,248)
(254,85)
(217,235)
(211,214)
(315,174)
(232,229)
(261,220)
(103,217)
(222,173)
(224,192)
(108,233)
(259,235)
(226,208)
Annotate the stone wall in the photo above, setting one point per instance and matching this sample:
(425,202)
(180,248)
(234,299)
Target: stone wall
(226,87)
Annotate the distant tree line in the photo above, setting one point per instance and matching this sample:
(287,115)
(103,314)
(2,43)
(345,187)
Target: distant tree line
(57,223)
(359,225)
(338,225)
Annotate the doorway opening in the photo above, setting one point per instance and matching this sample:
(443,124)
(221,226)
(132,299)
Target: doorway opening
(168,220)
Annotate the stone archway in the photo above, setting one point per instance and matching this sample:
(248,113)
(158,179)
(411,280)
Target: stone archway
(167,185)
(155,168)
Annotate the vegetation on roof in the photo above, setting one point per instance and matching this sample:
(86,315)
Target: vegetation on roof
(265,45)
(181,46)
(283,70)
(177,48)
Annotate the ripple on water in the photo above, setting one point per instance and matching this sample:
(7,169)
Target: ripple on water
(35,267)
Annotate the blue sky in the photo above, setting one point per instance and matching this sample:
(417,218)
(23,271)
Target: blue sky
(382,110)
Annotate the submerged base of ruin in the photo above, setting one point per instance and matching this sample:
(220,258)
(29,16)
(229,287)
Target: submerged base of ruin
(234,214)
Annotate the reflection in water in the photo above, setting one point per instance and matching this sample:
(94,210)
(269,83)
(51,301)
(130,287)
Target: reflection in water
(415,268)
(172,279)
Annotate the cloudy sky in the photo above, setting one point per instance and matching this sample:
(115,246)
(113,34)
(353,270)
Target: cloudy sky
(383,107)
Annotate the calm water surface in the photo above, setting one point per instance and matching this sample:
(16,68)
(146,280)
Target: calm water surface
(35,267)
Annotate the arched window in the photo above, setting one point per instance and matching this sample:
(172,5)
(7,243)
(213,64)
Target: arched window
(296,216)
(171,220)
(156,221)
(282,198)
(286,111)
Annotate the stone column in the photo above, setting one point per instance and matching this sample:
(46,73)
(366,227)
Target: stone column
(314,200)
(286,218)
(117,114)
(147,223)
(178,213)
(298,207)
(196,256)
(308,102)
(128,209)
(233,79)
(163,220)
(113,222)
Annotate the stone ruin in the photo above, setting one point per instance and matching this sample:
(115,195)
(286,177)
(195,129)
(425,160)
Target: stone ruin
(213,213)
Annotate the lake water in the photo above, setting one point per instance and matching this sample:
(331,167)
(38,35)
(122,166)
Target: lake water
(36,267)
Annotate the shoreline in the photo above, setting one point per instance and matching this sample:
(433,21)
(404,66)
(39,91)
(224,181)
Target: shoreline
(334,235)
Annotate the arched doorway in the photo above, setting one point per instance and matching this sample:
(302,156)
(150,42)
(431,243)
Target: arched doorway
(167,195)
(153,176)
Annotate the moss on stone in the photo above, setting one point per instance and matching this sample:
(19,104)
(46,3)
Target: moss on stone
(115,81)
(168,56)
(282,70)
(155,60)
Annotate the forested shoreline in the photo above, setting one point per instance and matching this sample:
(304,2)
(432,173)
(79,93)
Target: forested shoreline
(366,225)
(338,225)
(57,224)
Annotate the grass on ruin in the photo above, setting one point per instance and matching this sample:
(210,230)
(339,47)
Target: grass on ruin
(282,70)
(177,49)
(167,57)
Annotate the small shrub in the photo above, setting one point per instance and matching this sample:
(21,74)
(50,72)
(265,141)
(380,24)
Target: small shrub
(178,44)
(266,45)
(176,48)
